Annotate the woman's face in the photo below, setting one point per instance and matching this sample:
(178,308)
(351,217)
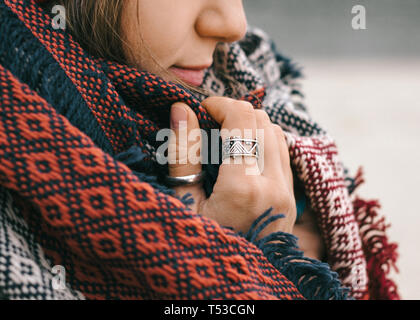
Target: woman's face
(181,34)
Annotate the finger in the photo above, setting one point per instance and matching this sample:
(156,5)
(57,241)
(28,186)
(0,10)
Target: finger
(184,152)
(232,114)
(269,163)
(237,118)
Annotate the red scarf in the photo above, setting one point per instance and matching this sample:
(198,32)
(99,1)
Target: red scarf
(121,237)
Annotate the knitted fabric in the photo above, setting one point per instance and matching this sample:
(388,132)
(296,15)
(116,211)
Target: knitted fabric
(79,173)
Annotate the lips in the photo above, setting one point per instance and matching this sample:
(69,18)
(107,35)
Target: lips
(191,75)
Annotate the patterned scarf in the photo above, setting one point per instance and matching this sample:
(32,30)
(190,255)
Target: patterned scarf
(81,188)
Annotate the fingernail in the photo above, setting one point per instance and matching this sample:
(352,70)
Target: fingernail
(178,114)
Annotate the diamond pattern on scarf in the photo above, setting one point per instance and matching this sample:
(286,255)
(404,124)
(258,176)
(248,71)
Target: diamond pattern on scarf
(130,106)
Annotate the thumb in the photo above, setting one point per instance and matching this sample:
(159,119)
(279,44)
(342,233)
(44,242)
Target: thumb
(185,142)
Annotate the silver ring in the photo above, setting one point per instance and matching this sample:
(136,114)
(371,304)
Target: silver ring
(185,180)
(240,147)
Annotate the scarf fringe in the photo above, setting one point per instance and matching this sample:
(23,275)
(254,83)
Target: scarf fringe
(314,279)
(381,255)
(354,183)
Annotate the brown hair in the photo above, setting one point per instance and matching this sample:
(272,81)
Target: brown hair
(96,25)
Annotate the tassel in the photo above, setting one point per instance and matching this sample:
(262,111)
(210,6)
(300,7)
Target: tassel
(187,199)
(355,182)
(381,255)
(314,279)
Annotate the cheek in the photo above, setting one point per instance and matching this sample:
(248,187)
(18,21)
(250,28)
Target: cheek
(166,33)
(163,44)
(165,39)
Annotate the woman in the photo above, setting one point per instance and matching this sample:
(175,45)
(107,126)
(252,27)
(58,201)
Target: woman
(88,188)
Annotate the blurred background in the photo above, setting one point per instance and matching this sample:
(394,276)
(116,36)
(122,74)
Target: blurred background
(363,86)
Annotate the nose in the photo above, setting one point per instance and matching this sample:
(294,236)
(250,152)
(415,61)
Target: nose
(223,20)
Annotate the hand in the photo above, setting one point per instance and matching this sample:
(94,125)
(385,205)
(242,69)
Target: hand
(239,198)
